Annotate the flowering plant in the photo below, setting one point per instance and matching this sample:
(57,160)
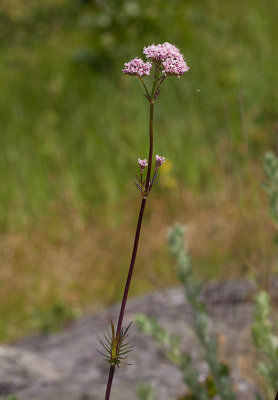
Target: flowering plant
(165,60)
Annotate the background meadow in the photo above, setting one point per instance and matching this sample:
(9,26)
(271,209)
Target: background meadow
(72,127)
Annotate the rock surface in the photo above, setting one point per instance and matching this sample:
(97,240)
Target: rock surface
(66,365)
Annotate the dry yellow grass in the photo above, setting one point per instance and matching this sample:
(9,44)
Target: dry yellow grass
(85,263)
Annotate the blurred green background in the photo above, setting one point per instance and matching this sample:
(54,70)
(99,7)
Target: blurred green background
(72,128)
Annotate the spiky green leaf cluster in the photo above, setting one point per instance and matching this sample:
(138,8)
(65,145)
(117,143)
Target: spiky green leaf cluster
(115,345)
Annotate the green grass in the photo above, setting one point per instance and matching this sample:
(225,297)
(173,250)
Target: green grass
(71,133)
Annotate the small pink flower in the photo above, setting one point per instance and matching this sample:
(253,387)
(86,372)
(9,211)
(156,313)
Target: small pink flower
(168,56)
(159,160)
(175,66)
(143,164)
(137,67)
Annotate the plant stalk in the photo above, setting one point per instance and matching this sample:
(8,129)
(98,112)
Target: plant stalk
(135,246)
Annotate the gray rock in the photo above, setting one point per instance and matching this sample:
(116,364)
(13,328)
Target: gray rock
(66,365)
(20,368)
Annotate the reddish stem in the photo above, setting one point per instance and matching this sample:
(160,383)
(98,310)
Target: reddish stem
(109,382)
(132,263)
(150,149)
(135,247)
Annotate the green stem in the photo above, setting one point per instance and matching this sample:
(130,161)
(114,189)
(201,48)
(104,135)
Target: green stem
(150,150)
(145,87)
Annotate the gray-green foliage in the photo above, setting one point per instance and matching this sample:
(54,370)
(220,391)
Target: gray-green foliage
(169,342)
(144,391)
(192,287)
(265,334)
(264,329)
(170,345)
(271,171)
(219,382)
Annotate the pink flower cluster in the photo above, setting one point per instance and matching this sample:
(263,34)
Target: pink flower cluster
(165,54)
(160,52)
(137,67)
(143,164)
(159,160)
(168,56)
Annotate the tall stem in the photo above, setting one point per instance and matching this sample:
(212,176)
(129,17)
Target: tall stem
(135,247)
(150,148)
(109,382)
(132,263)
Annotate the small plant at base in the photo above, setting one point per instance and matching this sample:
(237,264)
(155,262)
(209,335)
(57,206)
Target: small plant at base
(218,382)
(265,337)
(170,346)
(219,371)
(264,330)
(144,391)
(271,188)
